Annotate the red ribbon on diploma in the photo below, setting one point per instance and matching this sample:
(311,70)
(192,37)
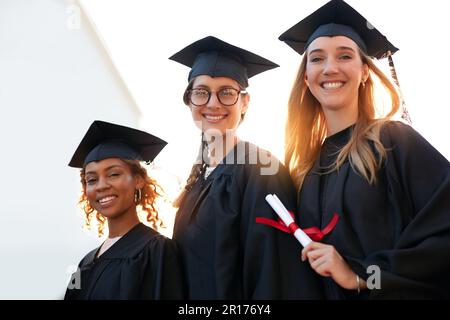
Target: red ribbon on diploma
(314,233)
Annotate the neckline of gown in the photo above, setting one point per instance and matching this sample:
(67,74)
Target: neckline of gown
(340,138)
(121,248)
(230,158)
(330,149)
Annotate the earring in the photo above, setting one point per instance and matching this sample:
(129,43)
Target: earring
(363,83)
(137,196)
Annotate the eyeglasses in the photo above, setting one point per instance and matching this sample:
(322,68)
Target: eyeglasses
(226,96)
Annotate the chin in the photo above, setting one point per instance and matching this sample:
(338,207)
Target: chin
(109,214)
(332,106)
(214,130)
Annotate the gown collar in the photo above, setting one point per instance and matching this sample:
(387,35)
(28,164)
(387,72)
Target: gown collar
(234,156)
(127,245)
(340,139)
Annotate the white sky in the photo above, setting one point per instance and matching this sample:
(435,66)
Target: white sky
(142,34)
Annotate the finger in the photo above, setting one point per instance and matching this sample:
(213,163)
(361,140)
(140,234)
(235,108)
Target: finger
(315,245)
(316,253)
(315,264)
(321,267)
(306,249)
(324,270)
(312,246)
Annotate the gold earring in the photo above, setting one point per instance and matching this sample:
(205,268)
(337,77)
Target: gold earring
(137,196)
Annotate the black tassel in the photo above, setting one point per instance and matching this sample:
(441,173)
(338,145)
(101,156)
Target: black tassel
(405,113)
(204,150)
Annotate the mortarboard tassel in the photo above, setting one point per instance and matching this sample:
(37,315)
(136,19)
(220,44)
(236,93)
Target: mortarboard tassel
(405,113)
(203,151)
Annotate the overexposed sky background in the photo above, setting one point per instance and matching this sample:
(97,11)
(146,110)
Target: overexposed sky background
(141,34)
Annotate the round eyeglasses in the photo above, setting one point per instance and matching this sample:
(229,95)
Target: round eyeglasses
(226,96)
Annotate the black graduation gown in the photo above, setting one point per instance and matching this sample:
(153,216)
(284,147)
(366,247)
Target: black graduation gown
(401,224)
(143,264)
(226,254)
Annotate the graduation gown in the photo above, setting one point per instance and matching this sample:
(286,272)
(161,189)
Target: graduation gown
(142,264)
(226,254)
(401,224)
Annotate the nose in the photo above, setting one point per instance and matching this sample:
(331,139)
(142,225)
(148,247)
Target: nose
(330,67)
(213,101)
(102,184)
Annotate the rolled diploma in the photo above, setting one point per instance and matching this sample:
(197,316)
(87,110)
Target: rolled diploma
(284,215)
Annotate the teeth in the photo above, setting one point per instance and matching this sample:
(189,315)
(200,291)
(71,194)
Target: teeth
(332,85)
(214,117)
(106,199)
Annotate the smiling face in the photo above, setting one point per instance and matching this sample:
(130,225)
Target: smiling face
(110,187)
(334,73)
(214,115)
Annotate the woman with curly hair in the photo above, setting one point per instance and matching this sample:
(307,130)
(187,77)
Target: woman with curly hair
(135,261)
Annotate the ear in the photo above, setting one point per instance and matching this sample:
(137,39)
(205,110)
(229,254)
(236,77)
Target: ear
(139,181)
(365,74)
(245,102)
(306,80)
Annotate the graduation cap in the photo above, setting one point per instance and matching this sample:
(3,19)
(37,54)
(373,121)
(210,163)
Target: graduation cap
(108,140)
(216,58)
(337,18)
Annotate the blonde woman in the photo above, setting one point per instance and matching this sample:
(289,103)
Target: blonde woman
(384,189)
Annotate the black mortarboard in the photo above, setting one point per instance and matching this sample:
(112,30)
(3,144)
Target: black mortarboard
(107,140)
(216,58)
(337,18)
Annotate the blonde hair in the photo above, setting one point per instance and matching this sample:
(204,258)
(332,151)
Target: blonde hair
(149,193)
(306,130)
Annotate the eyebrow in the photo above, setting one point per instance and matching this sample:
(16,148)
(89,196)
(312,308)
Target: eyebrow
(315,50)
(345,48)
(342,48)
(226,86)
(106,169)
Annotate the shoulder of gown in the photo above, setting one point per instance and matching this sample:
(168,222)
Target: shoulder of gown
(143,264)
(413,165)
(162,268)
(418,189)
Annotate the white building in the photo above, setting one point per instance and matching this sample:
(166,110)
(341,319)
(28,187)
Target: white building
(56,78)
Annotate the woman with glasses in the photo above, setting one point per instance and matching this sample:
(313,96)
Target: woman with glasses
(389,187)
(226,253)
